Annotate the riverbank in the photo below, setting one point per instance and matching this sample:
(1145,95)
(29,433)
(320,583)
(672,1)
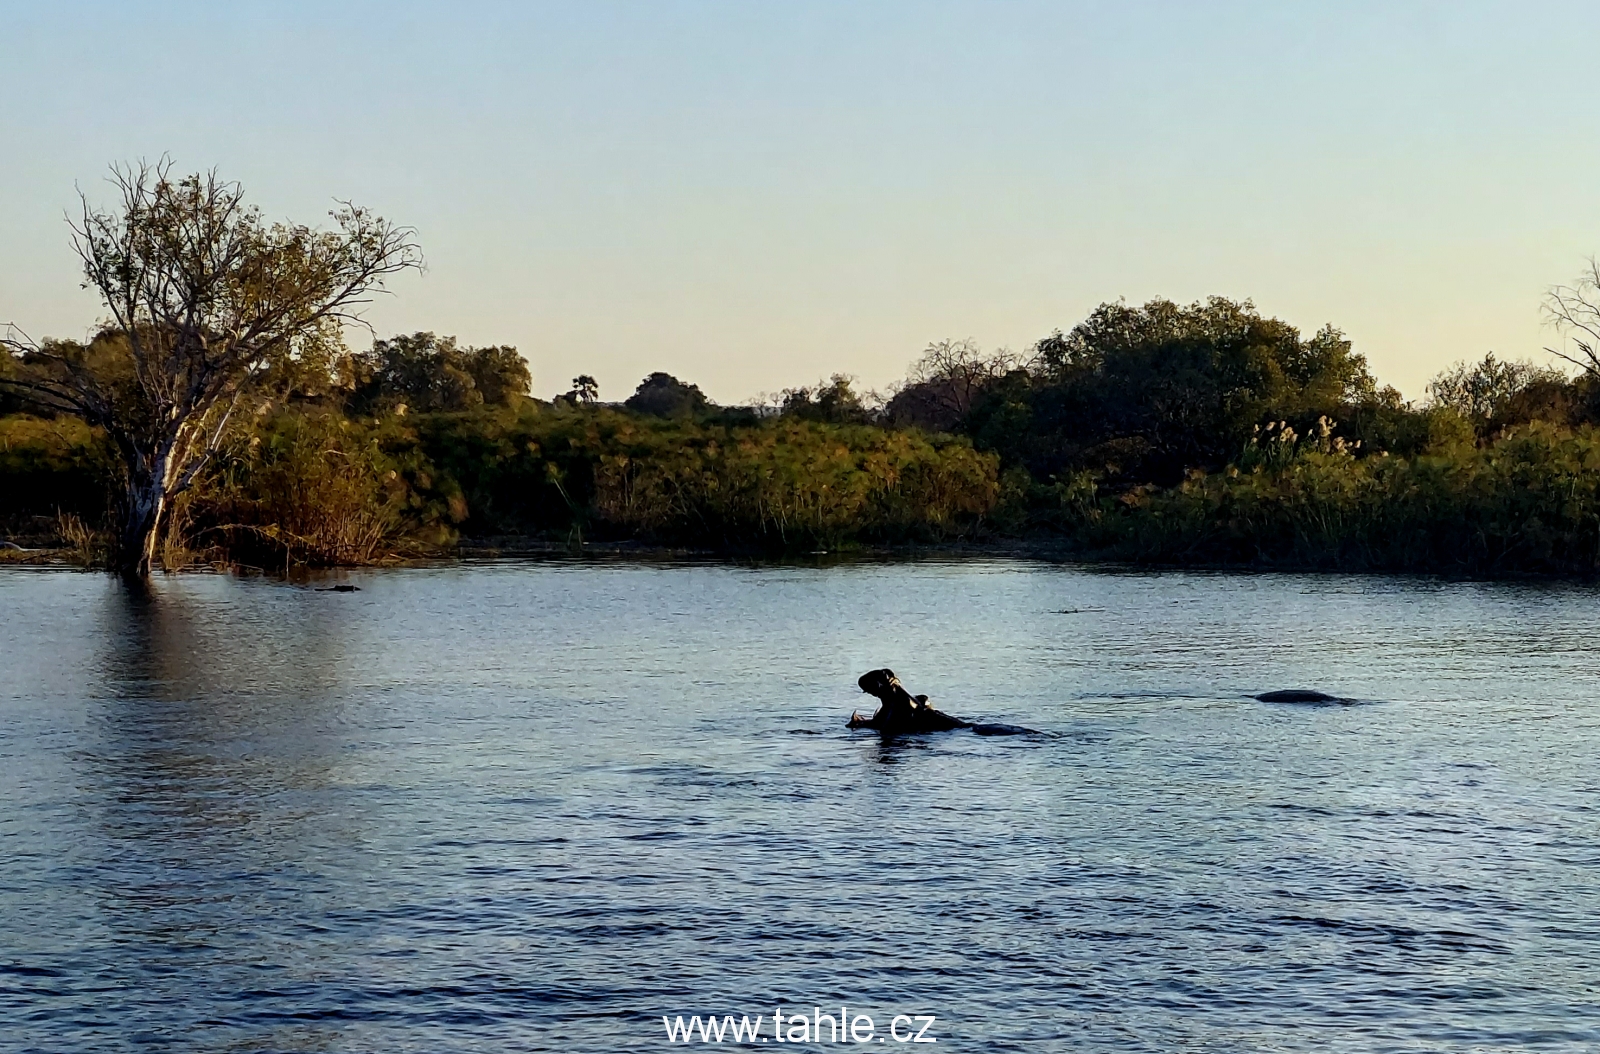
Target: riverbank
(316,489)
(1051,549)
(40,557)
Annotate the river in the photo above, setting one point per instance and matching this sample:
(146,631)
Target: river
(537,806)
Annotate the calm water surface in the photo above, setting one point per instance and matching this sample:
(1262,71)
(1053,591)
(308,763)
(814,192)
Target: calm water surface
(538,806)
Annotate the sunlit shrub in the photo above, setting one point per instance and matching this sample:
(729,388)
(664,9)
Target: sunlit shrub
(307,488)
(791,483)
(1528,503)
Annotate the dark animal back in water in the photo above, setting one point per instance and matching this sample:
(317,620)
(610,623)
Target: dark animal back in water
(1003,730)
(1297,695)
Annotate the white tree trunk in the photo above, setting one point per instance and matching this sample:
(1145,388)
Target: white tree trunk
(139,533)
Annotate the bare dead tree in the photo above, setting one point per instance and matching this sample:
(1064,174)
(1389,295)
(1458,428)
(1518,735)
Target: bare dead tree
(202,296)
(946,381)
(1574,310)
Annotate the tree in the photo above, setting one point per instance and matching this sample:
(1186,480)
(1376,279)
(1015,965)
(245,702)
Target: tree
(1151,392)
(585,389)
(836,402)
(427,373)
(203,296)
(663,395)
(11,400)
(1574,310)
(945,383)
(499,373)
(1485,390)
(418,372)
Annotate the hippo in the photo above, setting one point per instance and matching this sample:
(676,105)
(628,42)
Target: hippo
(901,712)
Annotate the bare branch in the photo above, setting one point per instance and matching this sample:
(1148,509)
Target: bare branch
(1574,311)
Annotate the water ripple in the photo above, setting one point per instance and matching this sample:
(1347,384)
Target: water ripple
(537,806)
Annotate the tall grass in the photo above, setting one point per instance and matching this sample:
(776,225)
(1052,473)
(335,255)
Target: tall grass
(320,489)
(309,486)
(791,483)
(777,484)
(307,489)
(1527,503)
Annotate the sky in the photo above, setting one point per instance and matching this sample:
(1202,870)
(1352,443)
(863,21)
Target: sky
(756,195)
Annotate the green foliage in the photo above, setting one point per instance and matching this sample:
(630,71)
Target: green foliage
(486,472)
(49,466)
(1201,434)
(1148,393)
(1484,390)
(946,383)
(307,370)
(836,402)
(425,373)
(205,298)
(1528,503)
(499,373)
(305,485)
(773,484)
(663,395)
(307,488)
(11,400)
(791,483)
(1491,395)
(585,391)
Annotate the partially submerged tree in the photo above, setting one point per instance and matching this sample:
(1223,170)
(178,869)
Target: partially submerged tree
(203,296)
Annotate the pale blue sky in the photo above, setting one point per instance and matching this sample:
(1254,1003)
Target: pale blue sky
(754,195)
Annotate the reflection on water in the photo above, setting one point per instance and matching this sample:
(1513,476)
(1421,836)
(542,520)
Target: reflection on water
(202,808)
(535,807)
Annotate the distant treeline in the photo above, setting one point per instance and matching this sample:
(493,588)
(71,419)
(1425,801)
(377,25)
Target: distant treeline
(419,443)
(1205,434)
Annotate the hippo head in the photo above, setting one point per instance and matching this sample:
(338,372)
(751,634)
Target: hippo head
(878,682)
